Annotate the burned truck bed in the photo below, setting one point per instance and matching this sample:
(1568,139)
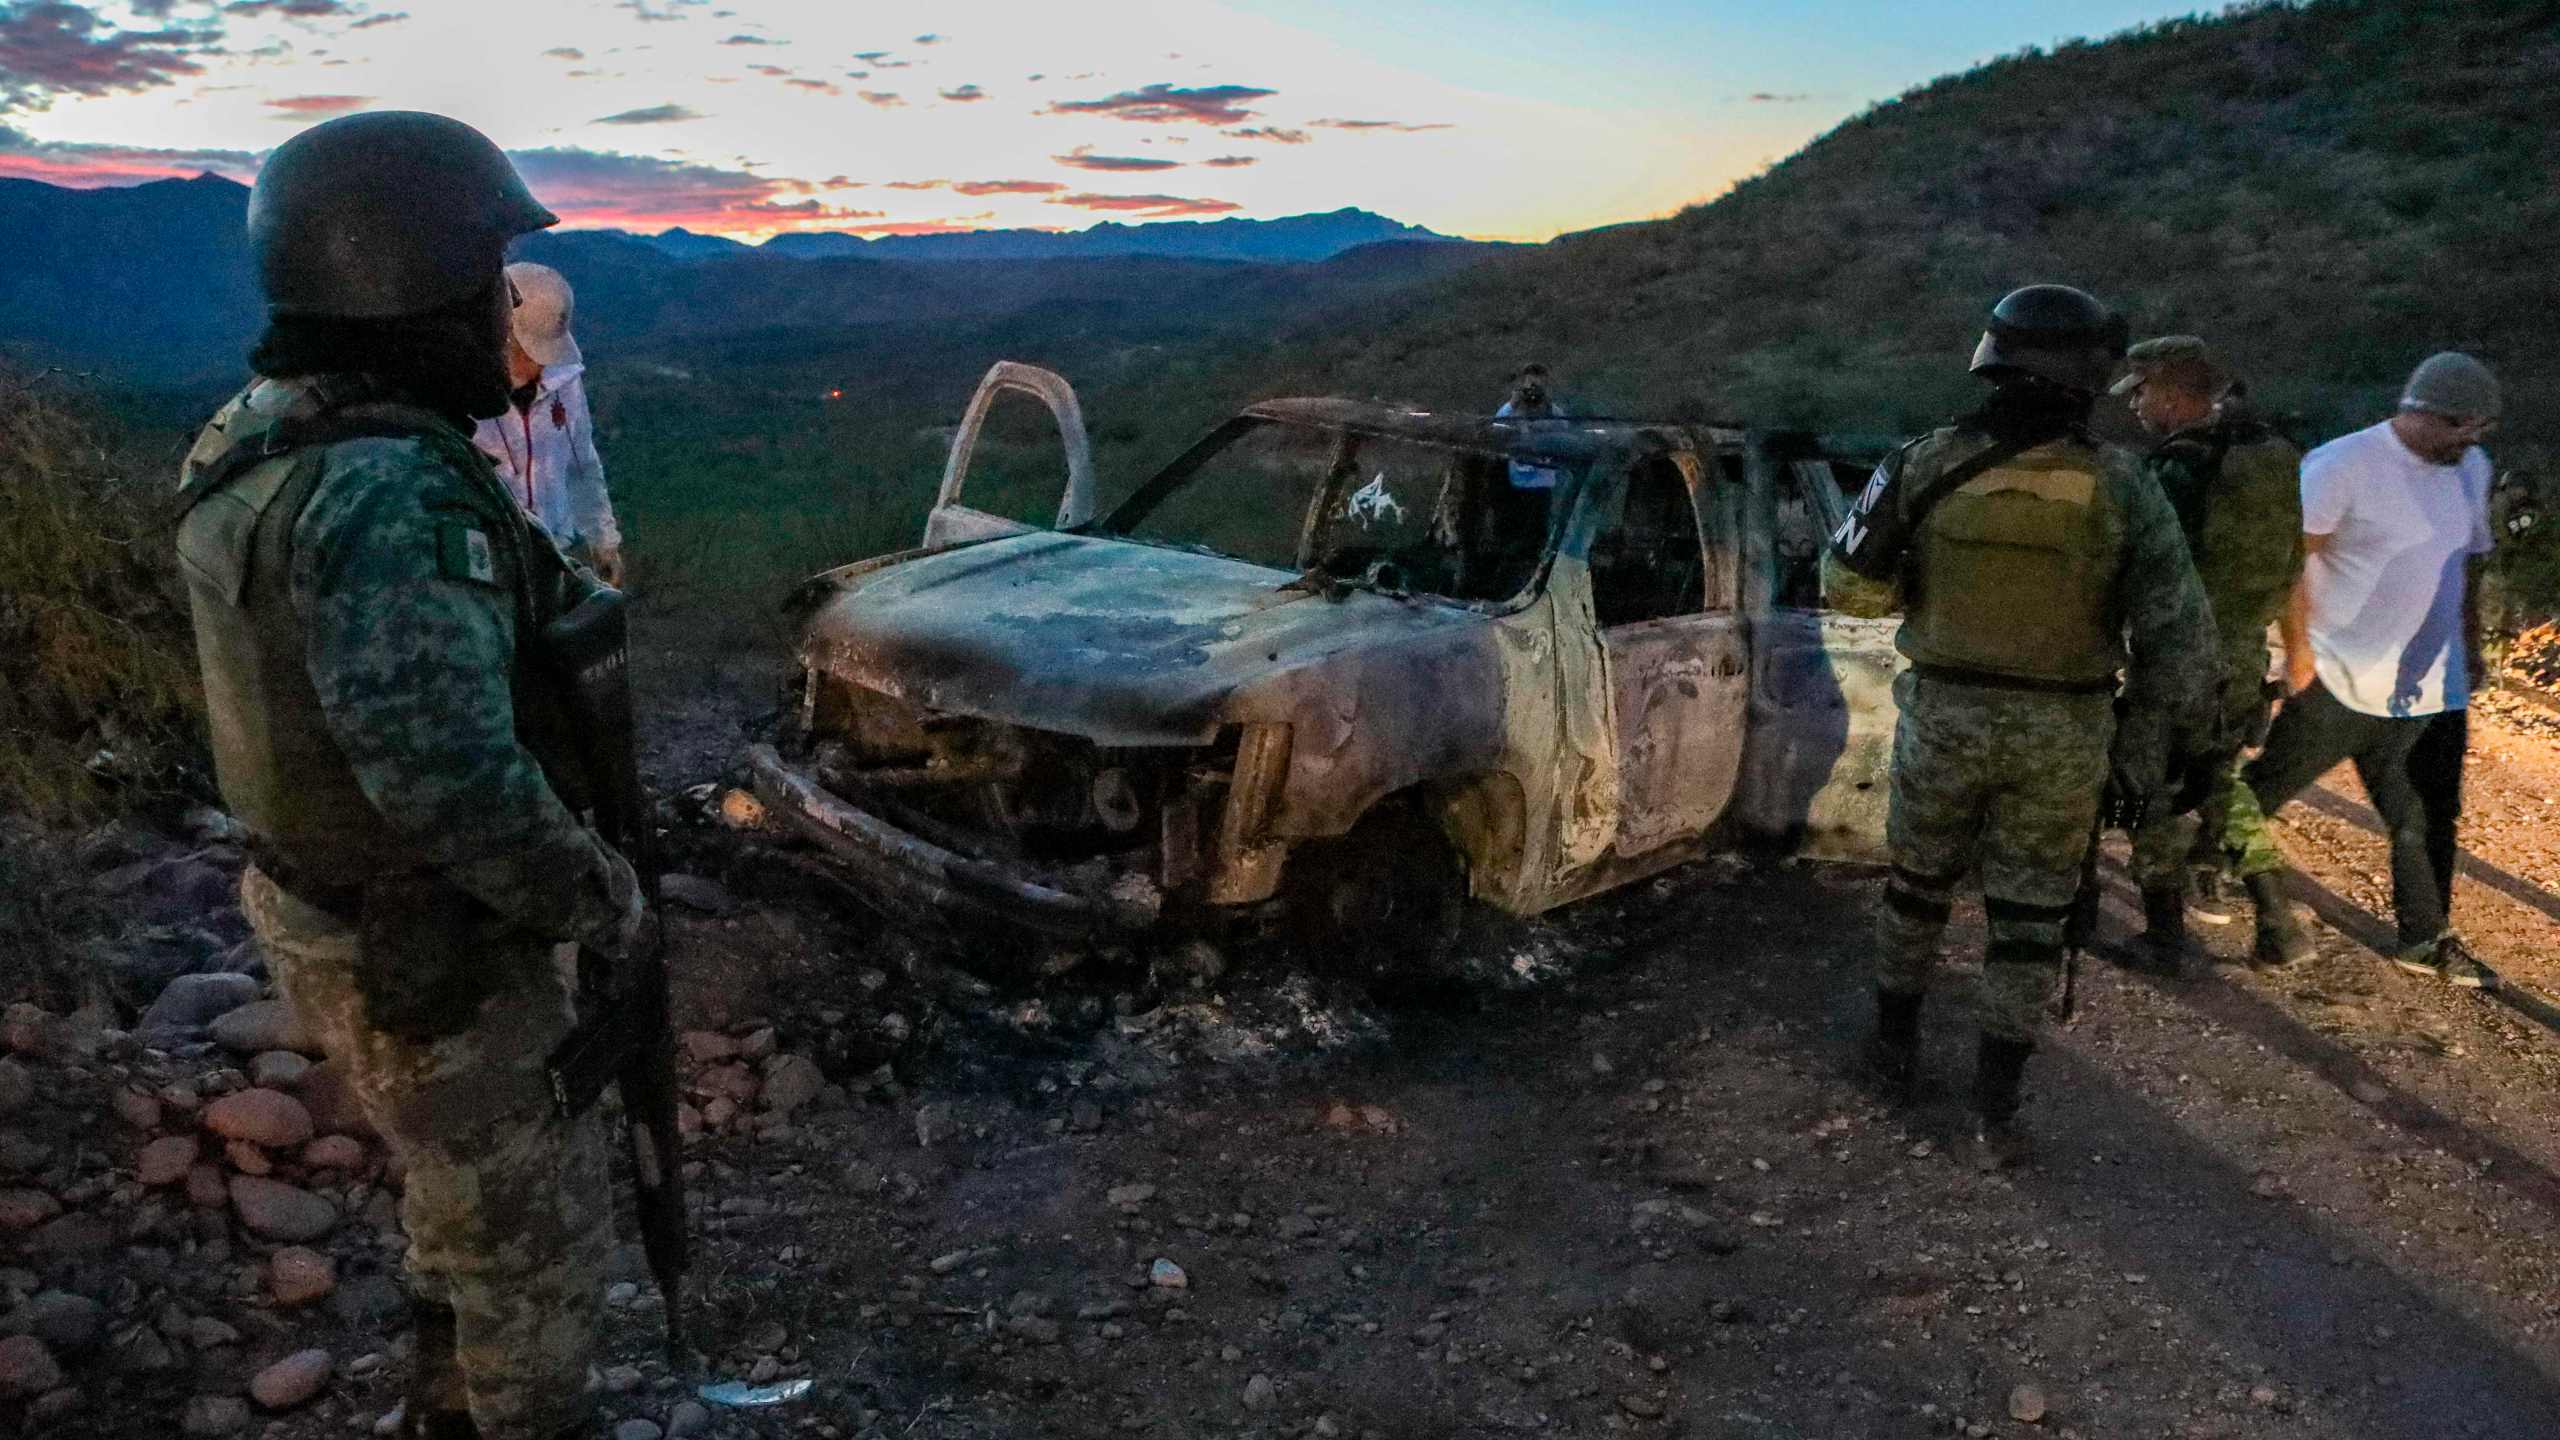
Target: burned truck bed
(1342,667)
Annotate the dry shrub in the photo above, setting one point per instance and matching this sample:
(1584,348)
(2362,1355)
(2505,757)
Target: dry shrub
(100,707)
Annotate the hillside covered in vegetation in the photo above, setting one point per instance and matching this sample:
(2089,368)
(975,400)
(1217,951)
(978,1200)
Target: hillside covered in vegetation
(2329,191)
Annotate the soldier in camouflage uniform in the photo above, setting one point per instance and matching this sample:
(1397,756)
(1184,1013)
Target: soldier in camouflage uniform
(367,599)
(2024,556)
(2237,487)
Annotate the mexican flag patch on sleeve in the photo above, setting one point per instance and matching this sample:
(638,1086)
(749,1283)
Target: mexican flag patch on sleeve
(463,553)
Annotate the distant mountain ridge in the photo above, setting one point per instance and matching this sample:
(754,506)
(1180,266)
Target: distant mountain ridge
(150,283)
(1291,238)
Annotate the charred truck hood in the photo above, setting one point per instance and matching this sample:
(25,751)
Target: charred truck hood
(1122,643)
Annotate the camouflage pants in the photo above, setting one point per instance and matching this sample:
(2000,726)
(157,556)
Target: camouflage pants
(2164,843)
(506,1206)
(2006,782)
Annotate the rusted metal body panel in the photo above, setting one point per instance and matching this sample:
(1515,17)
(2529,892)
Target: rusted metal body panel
(1083,734)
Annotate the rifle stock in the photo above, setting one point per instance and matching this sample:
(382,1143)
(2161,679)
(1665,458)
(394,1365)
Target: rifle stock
(624,1037)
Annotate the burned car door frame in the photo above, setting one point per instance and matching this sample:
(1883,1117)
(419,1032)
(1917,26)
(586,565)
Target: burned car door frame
(951,522)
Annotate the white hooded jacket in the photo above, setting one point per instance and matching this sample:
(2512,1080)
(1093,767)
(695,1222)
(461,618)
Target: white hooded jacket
(546,454)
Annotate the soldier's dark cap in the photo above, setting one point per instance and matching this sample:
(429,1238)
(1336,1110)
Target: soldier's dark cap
(2179,359)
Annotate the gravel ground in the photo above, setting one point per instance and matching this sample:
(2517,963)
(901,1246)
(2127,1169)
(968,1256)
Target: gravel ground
(1646,1198)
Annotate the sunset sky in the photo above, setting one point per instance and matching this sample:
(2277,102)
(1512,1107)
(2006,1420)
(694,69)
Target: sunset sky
(1493,119)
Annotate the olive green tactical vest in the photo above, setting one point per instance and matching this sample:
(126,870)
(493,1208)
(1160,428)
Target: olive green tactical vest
(2015,570)
(282,774)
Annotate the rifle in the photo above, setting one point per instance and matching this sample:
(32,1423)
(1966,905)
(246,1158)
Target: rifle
(2081,925)
(623,1037)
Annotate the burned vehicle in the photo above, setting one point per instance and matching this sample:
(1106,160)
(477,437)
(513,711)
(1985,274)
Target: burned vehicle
(1343,668)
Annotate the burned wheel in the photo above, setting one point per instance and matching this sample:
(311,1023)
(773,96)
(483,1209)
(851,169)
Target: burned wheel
(1388,901)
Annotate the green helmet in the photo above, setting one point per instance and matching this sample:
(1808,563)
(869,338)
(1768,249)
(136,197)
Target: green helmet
(385,214)
(2055,333)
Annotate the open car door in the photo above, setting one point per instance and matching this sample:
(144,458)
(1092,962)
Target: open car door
(1820,751)
(954,522)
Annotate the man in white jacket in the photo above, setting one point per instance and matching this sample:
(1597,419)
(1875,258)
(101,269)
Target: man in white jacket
(545,444)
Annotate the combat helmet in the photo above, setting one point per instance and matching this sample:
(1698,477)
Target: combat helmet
(384,214)
(2053,332)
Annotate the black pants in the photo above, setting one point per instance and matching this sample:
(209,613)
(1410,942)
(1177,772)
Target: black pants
(2411,766)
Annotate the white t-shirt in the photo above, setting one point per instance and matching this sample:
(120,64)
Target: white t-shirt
(2386,593)
(1526,476)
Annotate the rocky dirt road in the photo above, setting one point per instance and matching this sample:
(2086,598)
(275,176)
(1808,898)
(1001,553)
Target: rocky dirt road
(1646,1198)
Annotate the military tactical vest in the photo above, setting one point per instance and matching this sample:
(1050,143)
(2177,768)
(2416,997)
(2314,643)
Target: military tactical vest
(281,772)
(2013,574)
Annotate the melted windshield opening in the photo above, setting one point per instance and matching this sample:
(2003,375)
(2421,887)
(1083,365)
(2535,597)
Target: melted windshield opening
(1390,514)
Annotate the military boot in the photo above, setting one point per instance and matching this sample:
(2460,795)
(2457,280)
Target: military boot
(2163,946)
(1893,1051)
(1999,1068)
(2280,938)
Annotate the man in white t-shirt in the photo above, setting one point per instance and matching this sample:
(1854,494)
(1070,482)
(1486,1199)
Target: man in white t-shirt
(2378,638)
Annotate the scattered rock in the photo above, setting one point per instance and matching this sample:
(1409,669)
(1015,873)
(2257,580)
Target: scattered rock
(334,1152)
(206,1189)
(27,1029)
(141,966)
(637,1430)
(278,1069)
(694,892)
(141,1351)
(2268,1185)
(291,1380)
(63,1320)
(261,1117)
(369,1300)
(622,1379)
(1084,1117)
(935,1123)
(17,1087)
(134,1108)
(265,1025)
(274,1210)
(708,1047)
(191,1002)
(1165,1275)
(1130,1194)
(790,1082)
(2369,1092)
(2027,1405)
(688,1418)
(205,1333)
(53,1405)
(27,1368)
(78,1233)
(172,890)
(26,1209)
(209,1417)
(1643,1407)
(296,1276)
(167,1160)
(1259,1392)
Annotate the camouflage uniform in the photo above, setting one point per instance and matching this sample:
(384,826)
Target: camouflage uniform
(2007,779)
(2237,488)
(412,581)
